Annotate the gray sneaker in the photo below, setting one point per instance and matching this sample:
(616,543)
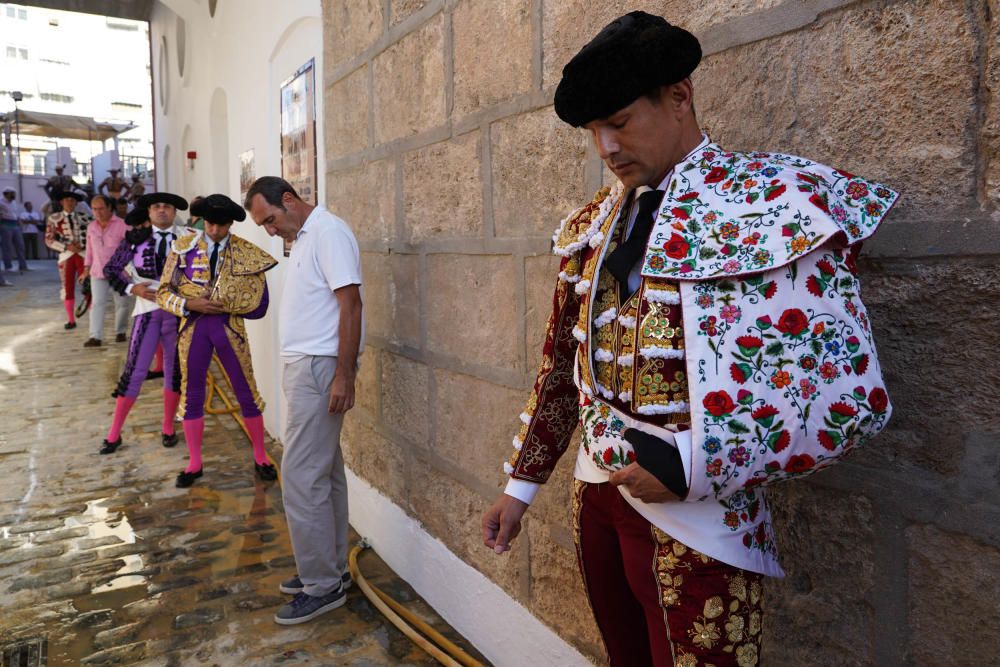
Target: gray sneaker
(305,607)
(294,585)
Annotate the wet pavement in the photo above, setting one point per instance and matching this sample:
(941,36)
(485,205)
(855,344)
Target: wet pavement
(104,561)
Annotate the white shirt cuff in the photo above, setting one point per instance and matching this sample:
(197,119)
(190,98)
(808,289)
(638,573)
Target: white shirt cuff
(128,289)
(522,490)
(683,441)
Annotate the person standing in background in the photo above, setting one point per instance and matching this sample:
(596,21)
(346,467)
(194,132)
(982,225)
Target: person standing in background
(11,236)
(66,233)
(103,237)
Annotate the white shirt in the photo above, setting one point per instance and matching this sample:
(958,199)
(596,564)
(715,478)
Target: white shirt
(324,258)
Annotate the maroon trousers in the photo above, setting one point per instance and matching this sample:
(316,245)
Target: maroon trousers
(656,601)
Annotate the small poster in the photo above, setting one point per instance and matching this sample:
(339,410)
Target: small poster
(298,134)
(247,173)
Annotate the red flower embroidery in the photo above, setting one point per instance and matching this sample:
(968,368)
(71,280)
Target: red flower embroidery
(764,415)
(716,175)
(680,213)
(827,440)
(843,409)
(688,196)
(676,247)
(750,344)
(857,190)
(878,400)
(800,463)
(718,403)
(770,289)
(793,322)
(819,202)
(737,373)
(608,456)
(781,441)
(774,193)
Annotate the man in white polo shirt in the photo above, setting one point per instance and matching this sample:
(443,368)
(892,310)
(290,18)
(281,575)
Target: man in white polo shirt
(321,331)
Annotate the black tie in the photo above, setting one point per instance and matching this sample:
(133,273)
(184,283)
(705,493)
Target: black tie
(214,259)
(161,249)
(624,257)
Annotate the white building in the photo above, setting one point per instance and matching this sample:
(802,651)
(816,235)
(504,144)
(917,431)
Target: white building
(81,65)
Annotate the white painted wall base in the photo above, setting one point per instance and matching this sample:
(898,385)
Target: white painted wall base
(503,630)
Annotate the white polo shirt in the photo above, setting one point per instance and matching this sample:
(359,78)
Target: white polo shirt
(324,258)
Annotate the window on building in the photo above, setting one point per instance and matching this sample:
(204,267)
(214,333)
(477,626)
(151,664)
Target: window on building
(22,14)
(23,53)
(11,12)
(12,52)
(38,166)
(55,97)
(116,24)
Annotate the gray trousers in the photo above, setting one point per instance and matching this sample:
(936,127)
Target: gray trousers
(12,245)
(314,487)
(99,290)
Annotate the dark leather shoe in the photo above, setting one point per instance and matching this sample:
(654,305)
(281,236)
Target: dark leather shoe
(120,338)
(69,325)
(186,479)
(152,375)
(108,447)
(92,342)
(266,472)
(169,440)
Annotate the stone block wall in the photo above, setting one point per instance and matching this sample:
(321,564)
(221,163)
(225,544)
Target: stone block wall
(446,158)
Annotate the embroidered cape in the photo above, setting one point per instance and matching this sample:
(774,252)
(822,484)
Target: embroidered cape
(783,376)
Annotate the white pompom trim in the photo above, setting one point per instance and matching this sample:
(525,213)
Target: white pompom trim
(626,360)
(662,296)
(600,354)
(507,468)
(605,318)
(661,353)
(582,287)
(626,321)
(525,417)
(670,408)
(579,334)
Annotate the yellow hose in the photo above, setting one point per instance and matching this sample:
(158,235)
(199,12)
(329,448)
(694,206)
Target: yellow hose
(398,615)
(393,611)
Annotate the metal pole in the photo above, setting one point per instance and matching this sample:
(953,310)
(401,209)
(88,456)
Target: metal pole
(17,132)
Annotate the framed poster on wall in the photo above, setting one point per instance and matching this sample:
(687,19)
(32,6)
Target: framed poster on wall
(248,172)
(298,133)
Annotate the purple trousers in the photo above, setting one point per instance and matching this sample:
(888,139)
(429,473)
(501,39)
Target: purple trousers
(225,336)
(149,330)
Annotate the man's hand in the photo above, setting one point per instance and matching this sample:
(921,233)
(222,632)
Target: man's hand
(83,276)
(341,394)
(73,247)
(641,484)
(200,304)
(502,523)
(144,291)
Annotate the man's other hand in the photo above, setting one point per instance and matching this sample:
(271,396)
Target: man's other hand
(502,523)
(144,291)
(641,484)
(200,304)
(341,394)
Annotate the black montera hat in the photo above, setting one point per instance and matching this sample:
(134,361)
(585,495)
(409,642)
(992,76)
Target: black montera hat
(218,209)
(136,216)
(62,194)
(632,56)
(176,201)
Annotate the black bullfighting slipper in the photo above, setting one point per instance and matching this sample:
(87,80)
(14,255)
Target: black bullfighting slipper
(266,471)
(186,479)
(109,447)
(69,325)
(169,440)
(152,375)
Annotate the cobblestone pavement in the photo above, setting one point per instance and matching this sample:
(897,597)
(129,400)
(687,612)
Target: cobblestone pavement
(104,561)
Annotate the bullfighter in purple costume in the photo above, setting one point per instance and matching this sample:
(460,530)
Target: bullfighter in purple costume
(213,281)
(135,268)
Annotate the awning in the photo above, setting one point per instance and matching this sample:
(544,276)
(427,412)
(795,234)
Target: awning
(63,126)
